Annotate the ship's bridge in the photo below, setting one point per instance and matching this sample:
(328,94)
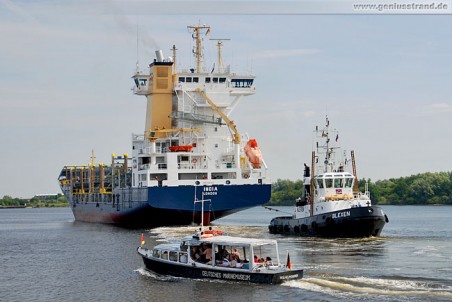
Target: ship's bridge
(334,180)
(234,83)
(334,186)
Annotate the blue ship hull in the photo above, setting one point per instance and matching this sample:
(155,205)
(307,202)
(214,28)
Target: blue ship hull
(166,206)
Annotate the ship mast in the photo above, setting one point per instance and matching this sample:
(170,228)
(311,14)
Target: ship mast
(197,37)
(220,56)
(325,134)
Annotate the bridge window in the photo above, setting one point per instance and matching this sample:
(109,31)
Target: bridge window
(320,183)
(182,79)
(188,80)
(195,79)
(208,80)
(242,83)
(338,182)
(215,80)
(329,183)
(348,182)
(222,80)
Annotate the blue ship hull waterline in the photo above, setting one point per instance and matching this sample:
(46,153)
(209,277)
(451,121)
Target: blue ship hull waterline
(167,206)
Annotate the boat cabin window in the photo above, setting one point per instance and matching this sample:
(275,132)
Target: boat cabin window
(348,182)
(215,80)
(165,255)
(183,258)
(195,79)
(208,80)
(222,80)
(156,254)
(188,79)
(319,183)
(182,79)
(328,182)
(173,256)
(232,256)
(338,182)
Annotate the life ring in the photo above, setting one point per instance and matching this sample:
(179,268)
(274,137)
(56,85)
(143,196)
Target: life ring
(246,176)
(206,235)
(194,160)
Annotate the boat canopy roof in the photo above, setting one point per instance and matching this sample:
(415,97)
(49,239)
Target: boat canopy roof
(237,241)
(168,246)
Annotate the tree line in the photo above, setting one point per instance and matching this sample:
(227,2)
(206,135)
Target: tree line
(421,189)
(57,200)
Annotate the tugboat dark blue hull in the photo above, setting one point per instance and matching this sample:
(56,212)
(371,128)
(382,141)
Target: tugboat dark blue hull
(349,223)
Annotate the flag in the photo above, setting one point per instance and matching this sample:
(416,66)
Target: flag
(142,239)
(208,31)
(337,137)
(288,264)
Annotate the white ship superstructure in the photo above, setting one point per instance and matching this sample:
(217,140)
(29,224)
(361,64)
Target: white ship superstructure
(189,148)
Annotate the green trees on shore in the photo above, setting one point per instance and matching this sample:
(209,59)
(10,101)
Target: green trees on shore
(425,188)
(57,200)
(422,189)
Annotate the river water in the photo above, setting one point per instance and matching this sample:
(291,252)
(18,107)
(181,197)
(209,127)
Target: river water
(46,256)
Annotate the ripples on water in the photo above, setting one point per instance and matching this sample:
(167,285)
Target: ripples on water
(46,256)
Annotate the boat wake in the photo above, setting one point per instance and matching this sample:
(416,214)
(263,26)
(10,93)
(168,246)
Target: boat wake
(385,287)
(144,272)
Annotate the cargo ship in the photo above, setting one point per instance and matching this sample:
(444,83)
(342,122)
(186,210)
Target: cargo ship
(331,204)
(189,150)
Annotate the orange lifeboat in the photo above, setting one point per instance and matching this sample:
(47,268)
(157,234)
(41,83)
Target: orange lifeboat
(253,153)
(186,148)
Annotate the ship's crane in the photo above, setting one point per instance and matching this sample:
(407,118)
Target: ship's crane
(230,123)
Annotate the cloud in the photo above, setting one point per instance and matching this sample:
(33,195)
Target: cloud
(18,11)
(435,109)
(282,53)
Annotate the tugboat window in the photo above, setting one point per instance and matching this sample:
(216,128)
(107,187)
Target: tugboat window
(329,183)
(320,183)
(349,182)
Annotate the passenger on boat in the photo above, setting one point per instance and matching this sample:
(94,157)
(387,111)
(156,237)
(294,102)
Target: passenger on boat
(256,260)
(235,253)
(195,253)
(268,261)
(223,253)
(207,254)
(234,262)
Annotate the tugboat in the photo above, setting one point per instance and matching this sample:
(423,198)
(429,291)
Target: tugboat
(331,204)
(212,255)
(189,146)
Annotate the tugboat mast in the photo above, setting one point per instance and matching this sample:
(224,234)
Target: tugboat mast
(329,151)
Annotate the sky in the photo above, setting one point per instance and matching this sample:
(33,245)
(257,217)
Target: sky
(385,82)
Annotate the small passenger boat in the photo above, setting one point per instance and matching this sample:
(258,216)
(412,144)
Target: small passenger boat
(209,254)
